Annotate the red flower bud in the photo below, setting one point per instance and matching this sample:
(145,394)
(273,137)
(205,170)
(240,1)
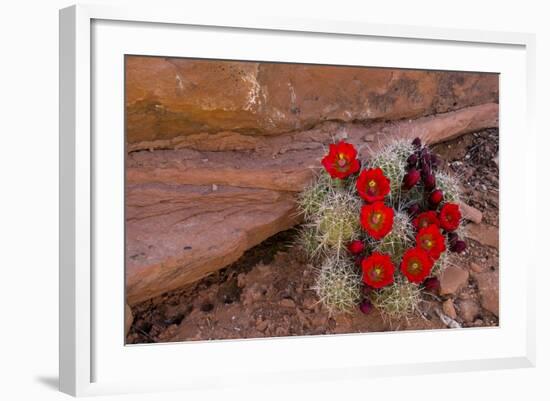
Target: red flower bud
(429,182)
(413,210)
(411,178)
(356,247)
(412,160)
(426,160)
(452,238)
(431,284)
(436,197)
(426,170)
(365,306)
(458,246)
(417,142)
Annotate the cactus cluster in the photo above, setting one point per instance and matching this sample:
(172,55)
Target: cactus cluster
(379,227)
(331,218)
(331,214)
(338,285)
(397,300)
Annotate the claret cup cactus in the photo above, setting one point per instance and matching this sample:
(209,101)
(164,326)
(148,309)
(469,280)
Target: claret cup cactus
(378,231)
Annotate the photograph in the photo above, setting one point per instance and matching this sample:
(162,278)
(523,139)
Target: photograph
(270,199)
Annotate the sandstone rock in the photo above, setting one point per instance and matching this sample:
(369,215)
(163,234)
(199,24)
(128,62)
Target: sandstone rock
(128,319)
(468,310)
(285,162)
(488,287)
(261,325)
(452,279)
(475,267)
(484,234)
(470,213)
(170,97)
(449,308)
(178,234)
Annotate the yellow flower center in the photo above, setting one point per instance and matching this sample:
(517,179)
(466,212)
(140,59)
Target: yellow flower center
(415,267)
(376,217)
(342,161)
(372,183)
(429,243)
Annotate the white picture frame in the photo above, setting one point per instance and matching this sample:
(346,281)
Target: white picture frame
(92,358)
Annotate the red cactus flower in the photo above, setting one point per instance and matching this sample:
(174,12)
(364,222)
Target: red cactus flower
(435,197)
(449,216)
(425,219)
(356,247)
(341,160)
(372,185)
(431,240)
(411,179)
(416,265)
(377,219)
(378,270)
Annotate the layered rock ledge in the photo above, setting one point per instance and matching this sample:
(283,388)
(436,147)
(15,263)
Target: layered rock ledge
(170,97)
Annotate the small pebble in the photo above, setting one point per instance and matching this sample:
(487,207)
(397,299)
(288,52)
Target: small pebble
(475,267)
(287,303)
(449,309)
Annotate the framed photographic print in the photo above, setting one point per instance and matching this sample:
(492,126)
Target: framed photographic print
(259,191)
